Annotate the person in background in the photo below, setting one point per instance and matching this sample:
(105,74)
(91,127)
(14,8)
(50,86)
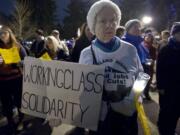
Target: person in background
(118,112)
(70,44)
(38,44)
(149,65)
(168,78)
(56,34)
(120,31)
(53,49)
(133,36)
(164,40)
(82,42)
(10,77)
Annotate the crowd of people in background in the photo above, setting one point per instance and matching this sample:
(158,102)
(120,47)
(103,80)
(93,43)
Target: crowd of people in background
(102,36)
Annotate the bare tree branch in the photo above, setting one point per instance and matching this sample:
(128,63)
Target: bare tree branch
(20,22)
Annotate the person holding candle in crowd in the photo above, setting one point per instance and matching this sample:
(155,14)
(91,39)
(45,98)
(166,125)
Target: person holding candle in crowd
(118,112)
(122,64)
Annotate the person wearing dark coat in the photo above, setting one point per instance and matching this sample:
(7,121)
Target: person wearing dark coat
(38,44)
(168,78)
(82,42)
(165,34)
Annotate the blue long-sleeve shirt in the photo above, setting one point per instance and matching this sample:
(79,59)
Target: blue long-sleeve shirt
(136,41)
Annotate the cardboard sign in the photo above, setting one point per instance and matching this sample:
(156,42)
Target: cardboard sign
(10,55)
(62,90)
(45,56)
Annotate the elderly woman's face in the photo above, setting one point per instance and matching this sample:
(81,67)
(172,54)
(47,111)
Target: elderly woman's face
(106,24)
(135,30)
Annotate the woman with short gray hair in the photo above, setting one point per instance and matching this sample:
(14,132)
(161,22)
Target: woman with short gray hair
(118,112)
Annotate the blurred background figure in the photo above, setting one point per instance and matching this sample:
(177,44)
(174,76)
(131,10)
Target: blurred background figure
(11,77)
(165,34)
(53,49)
(168,78)
(56,34)
(38,44)
(120,31)
(82,42)
(133,36)
(70,44)
(149,65)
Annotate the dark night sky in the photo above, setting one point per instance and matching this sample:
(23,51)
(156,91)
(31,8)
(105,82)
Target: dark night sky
(61,4)
(6,6)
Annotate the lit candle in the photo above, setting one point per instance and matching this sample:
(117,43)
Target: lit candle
(140,82)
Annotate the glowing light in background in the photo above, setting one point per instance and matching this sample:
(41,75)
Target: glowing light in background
(147,19)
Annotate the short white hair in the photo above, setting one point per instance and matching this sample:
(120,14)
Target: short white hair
(129,24)
(96,8)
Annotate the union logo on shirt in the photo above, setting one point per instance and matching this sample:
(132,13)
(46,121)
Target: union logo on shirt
(118,80)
